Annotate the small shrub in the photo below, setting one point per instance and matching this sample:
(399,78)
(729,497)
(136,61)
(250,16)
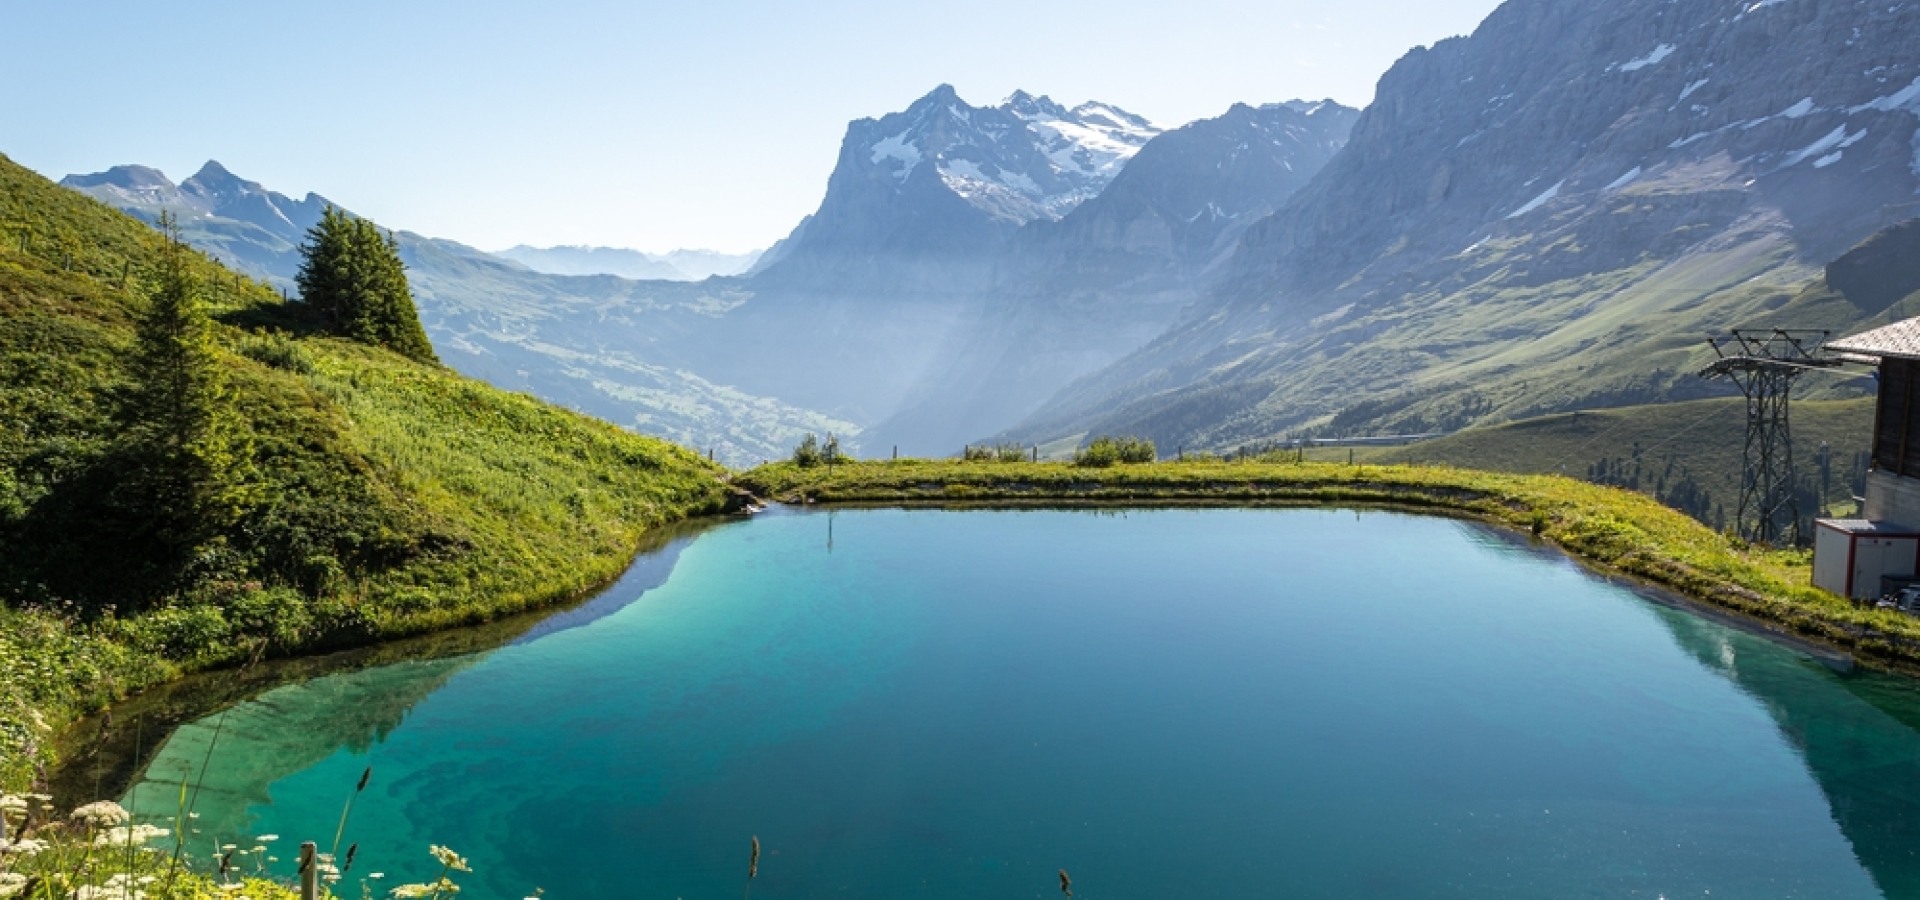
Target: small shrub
(1007,452)
(982,453)
(1106,451)
(807,454)
(276,349)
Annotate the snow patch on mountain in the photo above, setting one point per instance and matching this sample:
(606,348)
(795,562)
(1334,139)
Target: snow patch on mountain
(1093,140)
(1539,201)
(1651,59)
(1907,98)
(899,150)
(1027,158)
(1623,180)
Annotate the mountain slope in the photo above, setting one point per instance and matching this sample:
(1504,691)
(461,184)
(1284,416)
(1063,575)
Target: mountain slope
(593,261)
(626,351)
(392,497)
(1072,295)
(678,265)
(1549,214)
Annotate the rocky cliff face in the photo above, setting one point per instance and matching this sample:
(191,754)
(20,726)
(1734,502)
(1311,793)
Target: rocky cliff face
(1548,214)
(919,200)
(1067,297)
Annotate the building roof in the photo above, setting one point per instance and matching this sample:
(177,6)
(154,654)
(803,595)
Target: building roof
(1901,340)
(1864,526)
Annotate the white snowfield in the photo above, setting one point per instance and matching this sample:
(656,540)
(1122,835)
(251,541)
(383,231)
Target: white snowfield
(1050,162)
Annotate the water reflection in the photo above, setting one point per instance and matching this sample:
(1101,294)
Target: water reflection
(1856,733)
(283,715)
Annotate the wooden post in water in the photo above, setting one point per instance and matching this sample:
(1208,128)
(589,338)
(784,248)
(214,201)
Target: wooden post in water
(309,873)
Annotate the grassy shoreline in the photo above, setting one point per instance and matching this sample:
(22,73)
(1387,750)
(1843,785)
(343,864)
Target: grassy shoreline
(1614,529)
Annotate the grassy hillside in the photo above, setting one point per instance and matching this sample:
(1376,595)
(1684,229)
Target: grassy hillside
(391,497)
(1687,455)
(1621,530)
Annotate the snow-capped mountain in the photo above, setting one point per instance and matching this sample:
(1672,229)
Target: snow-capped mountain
(1072,295)
(1028,158)
(934,187)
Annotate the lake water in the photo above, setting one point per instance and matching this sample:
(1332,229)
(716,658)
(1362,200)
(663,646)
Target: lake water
(1169,703)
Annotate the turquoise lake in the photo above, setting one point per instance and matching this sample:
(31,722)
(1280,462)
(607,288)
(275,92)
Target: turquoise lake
(1166,703)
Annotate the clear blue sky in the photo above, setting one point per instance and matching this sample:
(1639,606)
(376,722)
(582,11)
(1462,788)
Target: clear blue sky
(705,123)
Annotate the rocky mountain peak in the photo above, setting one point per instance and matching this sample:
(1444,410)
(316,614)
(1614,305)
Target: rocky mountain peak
(128,177)
(947,179)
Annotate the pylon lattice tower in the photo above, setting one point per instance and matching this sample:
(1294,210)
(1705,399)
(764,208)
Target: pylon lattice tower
(1763,364)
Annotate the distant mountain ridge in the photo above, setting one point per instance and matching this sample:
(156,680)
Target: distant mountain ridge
(965,263)
(677,265)
(499,321)
(240,222)
(1549,214)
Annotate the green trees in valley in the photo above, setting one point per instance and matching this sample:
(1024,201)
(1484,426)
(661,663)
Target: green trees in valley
(352,276)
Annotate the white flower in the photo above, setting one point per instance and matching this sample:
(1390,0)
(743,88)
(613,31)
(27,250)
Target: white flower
(12,803)
(129,834)
(11,883)
(101,814)
(23,847)
(265,838)
(449,858)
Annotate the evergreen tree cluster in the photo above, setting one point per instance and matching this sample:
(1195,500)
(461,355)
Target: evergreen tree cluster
(352,277)
(190,447)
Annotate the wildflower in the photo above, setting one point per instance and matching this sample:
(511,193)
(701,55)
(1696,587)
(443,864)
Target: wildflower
(11,803)
(267,838)
(409,891)
(23,847)
(128,834)
(101,814)
(11,883)
(449,858)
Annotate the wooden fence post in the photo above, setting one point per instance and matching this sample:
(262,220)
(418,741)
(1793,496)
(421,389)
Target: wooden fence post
(309,873)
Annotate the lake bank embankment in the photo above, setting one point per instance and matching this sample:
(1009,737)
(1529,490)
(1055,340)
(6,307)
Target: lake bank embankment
(1614,529)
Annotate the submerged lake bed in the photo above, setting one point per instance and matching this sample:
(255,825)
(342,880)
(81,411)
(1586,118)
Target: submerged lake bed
(1165,703)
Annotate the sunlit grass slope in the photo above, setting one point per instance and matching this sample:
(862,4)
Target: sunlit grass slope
(391,497)
(1688,454)
(1618,529)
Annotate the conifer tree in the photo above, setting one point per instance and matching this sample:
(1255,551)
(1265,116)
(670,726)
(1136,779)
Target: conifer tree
(194,450)
(352,276)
